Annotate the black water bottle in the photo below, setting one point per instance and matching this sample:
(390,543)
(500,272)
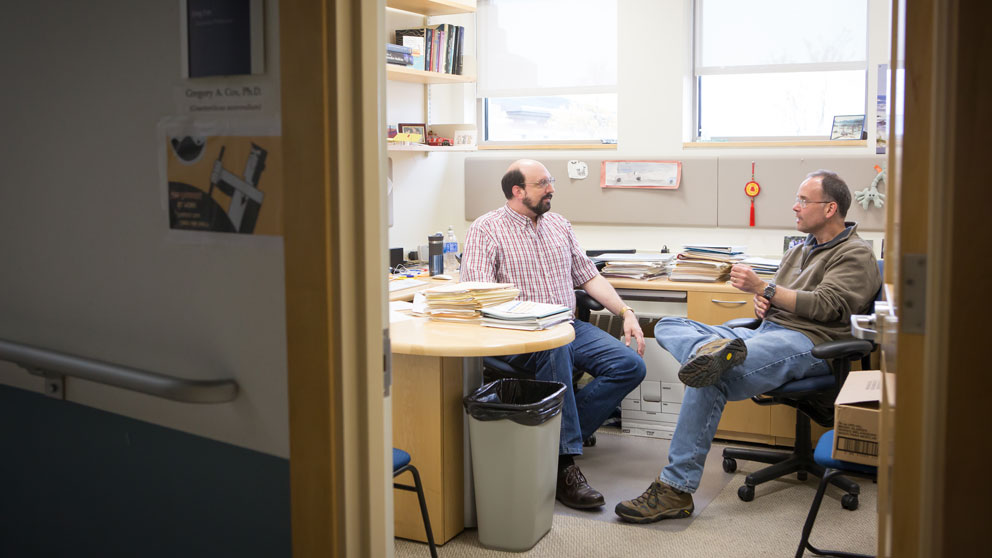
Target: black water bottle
(435,252)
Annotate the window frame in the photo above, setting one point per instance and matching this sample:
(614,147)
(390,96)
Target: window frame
(697,70)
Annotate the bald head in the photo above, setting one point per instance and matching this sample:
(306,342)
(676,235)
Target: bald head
(517,172)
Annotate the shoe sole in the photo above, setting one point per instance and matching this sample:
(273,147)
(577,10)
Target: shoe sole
(677,514)
(581,506)
(705,370)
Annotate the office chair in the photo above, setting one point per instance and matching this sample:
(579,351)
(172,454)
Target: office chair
(833,467)
(401,464)
(813,399)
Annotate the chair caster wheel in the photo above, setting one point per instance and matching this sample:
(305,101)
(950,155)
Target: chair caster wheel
(590,441)
(802,475)
(746,493)
(849,502)
(729,464)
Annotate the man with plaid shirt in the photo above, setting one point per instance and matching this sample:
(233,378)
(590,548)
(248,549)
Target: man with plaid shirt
(524,244)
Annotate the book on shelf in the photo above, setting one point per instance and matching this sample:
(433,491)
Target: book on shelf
(399,58)
(390,47)
(459,44)
(416,40)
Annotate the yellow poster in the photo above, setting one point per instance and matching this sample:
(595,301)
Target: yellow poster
(222,180)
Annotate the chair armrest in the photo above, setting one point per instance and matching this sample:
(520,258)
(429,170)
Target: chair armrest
(847,349)
(585,300)
(749,323)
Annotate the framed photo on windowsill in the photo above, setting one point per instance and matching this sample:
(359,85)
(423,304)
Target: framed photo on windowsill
(419,129)
(848,127)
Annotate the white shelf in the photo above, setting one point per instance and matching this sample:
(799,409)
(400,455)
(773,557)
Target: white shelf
(428,148)
(433,7)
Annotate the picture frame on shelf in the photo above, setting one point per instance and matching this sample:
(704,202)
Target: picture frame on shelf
(465,137)
(848,127)
(419,129)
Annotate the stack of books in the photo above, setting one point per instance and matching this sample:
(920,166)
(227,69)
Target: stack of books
(436,48)
(706,263)
(461,302)
(642,265)
(524,314)
(399,55)
(766,268)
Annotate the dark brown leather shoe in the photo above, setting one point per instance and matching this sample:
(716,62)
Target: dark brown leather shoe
(575,492)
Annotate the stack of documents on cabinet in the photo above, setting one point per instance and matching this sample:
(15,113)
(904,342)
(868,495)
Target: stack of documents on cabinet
(462,301)
(766,268)
(706,262)
(646,265)
(524,314)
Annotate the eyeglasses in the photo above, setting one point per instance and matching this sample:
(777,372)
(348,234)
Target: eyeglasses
(544,182)
(803,202)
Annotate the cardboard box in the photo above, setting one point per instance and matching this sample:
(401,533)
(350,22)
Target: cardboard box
(856,418)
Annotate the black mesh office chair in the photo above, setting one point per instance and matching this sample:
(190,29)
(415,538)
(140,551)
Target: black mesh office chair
(813,399)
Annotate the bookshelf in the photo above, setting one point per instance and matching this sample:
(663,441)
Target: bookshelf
(403,74)
(433,7)
(409,75)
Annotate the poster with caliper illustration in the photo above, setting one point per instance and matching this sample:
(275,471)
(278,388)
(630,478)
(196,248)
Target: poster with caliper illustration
(223,176)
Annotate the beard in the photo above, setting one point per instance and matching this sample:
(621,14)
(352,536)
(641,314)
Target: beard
(542,206)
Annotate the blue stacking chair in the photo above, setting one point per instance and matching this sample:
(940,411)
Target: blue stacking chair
(832,467)
(401,464)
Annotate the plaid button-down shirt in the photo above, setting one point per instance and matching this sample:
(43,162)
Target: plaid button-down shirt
(544,261)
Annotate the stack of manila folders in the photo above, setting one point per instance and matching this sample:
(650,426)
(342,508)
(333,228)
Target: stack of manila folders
(705,262)
(491,304)
(462,302)
(641,265)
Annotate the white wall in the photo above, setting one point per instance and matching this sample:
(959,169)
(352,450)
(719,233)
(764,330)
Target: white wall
(654,58)
(87,264)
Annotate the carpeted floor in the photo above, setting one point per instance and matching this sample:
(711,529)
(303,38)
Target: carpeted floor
(621,467)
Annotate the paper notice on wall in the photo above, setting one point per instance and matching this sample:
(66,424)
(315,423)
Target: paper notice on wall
(665,175)
(222,176)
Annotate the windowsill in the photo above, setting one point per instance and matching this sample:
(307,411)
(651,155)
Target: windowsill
(576,146)
(801,143)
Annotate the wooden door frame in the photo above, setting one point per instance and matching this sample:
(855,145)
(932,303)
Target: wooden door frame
(332,112)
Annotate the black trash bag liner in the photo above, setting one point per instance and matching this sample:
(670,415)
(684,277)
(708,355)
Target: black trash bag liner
(526,402)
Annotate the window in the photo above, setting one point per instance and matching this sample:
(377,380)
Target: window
(547,71)
(778,69)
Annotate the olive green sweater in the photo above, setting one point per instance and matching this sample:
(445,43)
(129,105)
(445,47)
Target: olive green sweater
(832,281)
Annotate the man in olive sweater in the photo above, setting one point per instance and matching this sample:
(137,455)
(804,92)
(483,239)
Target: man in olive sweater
(819,284)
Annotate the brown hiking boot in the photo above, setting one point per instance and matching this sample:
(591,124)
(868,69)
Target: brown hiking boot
(658,502)
(711,360)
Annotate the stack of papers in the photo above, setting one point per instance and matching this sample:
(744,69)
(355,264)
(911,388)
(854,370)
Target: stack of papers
(524,314)
(766,268)
(636,266)
(706,262)
(462,301)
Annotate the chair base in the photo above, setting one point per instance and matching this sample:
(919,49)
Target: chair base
(418,488)
(799,461)
(829,476)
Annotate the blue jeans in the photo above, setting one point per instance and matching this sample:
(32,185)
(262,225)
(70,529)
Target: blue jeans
(775,355)
(616,370)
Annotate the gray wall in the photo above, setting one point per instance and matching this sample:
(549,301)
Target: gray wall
(87,264)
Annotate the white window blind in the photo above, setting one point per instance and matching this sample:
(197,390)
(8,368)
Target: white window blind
(778,68)
(547,47)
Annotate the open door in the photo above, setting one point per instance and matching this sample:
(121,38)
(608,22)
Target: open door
(933,492)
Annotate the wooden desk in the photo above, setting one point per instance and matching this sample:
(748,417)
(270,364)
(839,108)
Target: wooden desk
(715,303)
(434,365)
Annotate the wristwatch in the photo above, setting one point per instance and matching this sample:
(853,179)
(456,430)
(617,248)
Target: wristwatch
(624,310)
(769,290)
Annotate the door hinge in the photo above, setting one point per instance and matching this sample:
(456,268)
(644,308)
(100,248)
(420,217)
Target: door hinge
(913,294)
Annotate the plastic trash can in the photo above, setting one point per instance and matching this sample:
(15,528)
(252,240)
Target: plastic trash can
(514,427)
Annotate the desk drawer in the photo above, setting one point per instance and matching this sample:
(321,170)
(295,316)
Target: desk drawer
(715,308)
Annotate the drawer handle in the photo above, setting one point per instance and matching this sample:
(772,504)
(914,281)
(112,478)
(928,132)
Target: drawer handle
(728,301)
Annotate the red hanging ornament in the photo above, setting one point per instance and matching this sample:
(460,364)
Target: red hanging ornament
(752,189)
